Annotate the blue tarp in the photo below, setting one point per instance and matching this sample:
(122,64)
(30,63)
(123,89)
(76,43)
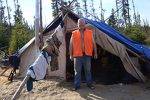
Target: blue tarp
(136,47)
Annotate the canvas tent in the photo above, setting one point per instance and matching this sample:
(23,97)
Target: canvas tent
(105,36)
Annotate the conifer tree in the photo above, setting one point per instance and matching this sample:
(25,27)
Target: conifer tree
(85,7)
(55,7)
(21,32)
(112,20)
(78,10)
(4,40)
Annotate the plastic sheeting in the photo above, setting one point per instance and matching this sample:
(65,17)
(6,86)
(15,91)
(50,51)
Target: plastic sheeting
(136,47)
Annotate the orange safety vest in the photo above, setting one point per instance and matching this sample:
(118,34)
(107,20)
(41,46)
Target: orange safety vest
(77,46)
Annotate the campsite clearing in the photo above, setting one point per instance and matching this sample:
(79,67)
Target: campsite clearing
(55,89)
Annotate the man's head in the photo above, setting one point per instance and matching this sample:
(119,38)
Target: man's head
(81,23)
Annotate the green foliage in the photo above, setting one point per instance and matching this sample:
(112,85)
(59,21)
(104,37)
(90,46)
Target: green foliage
(85,6)
(4,33)
(21,33)
(55,8)
(113,20)
(137,19)
(146,27)
(147,41)
(77,8)
(3,36)
(2,12)
(18,15)
(135,32)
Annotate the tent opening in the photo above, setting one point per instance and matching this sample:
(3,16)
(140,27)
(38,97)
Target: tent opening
(107,69)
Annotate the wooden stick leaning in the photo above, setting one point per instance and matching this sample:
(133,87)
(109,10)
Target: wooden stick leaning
(17,93)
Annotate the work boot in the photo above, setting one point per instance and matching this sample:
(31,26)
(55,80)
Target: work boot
(91,86)
(75,88)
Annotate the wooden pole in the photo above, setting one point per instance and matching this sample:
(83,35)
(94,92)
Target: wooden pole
(41,21)
(17,93)
(37,24)
(41,43)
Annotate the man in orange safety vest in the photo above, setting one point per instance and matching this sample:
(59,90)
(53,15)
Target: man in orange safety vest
(82,48)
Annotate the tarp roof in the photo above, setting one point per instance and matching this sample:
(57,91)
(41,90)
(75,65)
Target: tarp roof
(136,47)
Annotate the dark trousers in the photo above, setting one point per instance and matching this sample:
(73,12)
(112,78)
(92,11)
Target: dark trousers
(85,62)
(29,84)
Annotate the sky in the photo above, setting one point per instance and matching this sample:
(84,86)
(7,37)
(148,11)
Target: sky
(28,9)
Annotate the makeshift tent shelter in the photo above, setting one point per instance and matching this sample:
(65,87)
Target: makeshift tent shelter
(105,36)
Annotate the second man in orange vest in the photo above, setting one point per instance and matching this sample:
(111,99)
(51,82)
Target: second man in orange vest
(82,47)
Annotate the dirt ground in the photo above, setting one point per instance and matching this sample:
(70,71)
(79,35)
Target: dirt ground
(56,89)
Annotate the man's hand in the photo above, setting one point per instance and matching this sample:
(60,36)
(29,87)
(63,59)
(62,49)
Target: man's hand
(95,55)
(70,50)
(71,58)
